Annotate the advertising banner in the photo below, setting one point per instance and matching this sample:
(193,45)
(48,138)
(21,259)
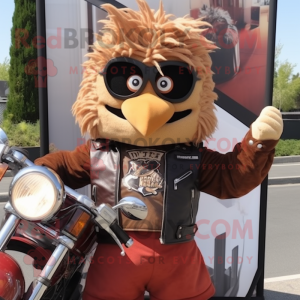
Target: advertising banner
(230,232)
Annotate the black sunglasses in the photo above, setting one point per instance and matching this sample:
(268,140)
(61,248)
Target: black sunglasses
(126,77)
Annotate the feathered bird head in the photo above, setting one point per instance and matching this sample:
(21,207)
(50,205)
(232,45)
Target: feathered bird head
(148,78)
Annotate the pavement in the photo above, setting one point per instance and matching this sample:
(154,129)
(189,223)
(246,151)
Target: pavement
(285,170)
(283,288)
(282,263)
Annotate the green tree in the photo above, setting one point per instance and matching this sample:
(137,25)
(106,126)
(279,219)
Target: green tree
(278,49)
(4,69)
(22,102)
(295,76)
(298,96)
(286,89)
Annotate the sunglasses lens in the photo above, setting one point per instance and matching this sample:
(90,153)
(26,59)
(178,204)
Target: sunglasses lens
(176,83)
(123,78)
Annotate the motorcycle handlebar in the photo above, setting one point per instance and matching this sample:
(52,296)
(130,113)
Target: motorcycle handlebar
(121,234)
(21,160)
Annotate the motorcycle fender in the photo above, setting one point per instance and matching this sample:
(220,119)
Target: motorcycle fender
(12,283)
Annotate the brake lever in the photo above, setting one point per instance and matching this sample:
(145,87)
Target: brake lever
(105,226)
(105,217)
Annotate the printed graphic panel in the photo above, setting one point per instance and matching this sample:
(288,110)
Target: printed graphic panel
(240,29)
(229,229)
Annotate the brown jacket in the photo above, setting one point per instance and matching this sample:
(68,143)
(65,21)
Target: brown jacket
(224,176)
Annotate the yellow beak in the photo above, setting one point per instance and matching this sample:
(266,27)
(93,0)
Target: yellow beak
(147,113)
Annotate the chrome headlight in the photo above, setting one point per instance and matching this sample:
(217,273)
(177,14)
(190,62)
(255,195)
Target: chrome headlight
(36,194)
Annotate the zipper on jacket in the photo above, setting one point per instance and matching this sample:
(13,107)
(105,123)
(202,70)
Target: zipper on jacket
(117,185)
(161,239)
(192,205)
(184,176)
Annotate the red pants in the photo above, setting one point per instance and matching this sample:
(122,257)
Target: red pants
(167,272)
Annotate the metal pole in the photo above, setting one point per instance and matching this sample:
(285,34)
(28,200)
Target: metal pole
(8,230)
(48,271)
(264,186)
(42,84)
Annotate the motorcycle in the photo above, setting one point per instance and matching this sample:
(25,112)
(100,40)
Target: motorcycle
(53,224)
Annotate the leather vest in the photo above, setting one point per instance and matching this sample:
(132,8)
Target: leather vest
(181,191)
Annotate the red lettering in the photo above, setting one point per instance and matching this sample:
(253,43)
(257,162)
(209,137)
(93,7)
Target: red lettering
(73,71)
(227,147)
(55,38)
(208,70)
(218,69)
(249,258)
(128,261)
(38,42)
(229,262)
(198,234)
(184,260)
(234,142)
(151,260)
(236,70)
(242,232)
(110,260)
(251,39)
(81,260)
(80,141)
(143,259)
(211,259)
(248,70)
(161,260)
(191,69)
(221,35)
(257,69)
(21,38)
(114,68)
(220,222)
(132,70)
(206,142)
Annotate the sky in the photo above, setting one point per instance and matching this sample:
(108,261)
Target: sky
(6,12)
(286,31)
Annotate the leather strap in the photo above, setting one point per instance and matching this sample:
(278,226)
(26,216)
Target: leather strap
(186,232)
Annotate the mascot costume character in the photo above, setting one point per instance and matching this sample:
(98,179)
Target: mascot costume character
(147,103)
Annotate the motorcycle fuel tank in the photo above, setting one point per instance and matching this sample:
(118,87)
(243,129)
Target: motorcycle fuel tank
(12,283)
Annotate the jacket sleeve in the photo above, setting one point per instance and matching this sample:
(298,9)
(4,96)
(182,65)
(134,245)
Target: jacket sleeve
(235,174)
(73,167)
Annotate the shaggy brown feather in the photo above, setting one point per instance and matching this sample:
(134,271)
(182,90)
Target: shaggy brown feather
(163,38)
